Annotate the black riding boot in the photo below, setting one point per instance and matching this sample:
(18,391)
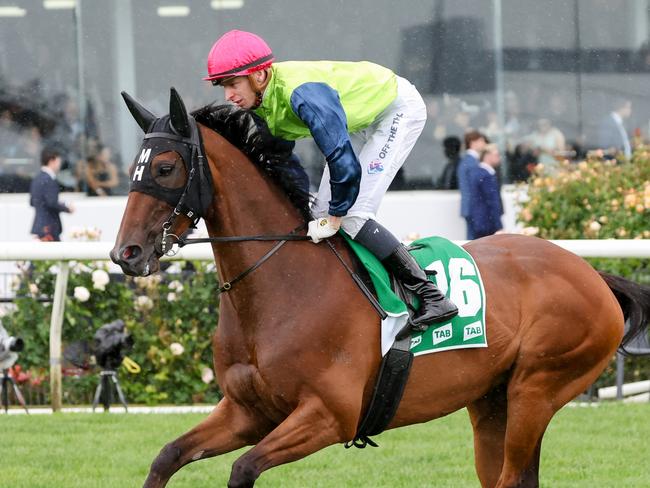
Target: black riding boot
(434,306)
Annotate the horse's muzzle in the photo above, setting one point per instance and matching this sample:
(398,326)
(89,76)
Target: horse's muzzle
(134,261)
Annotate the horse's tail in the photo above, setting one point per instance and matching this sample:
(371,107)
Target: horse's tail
(635,302)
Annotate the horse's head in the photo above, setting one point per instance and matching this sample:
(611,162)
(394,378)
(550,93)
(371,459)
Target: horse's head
(170,187)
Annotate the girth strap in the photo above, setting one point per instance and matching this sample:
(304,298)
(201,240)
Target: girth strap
(389,388)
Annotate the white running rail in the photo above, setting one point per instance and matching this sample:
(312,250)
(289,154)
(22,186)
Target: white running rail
(64,252)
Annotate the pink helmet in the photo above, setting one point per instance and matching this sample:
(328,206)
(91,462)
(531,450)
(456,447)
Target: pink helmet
(237,53)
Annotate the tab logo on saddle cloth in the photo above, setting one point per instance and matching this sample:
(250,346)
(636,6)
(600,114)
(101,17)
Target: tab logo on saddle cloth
(442,334)
(472,330)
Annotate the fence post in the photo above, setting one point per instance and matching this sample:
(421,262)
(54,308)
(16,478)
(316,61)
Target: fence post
(620,371)
(56,322)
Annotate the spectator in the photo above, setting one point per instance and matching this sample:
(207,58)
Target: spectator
(522,162)
(491,129)
(474,144)
(101,173)
(612,135)
(448,180)
(547,142)
(44,197)
(485,207)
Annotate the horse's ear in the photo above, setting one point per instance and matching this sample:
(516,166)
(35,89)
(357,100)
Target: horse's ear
(178,114)
(142,116)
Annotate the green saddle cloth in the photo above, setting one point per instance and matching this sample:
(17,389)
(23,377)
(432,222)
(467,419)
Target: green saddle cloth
(457,276)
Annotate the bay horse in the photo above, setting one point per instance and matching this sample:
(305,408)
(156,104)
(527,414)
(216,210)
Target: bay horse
(297,347)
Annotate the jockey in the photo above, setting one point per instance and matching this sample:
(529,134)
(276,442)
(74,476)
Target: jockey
(328,100)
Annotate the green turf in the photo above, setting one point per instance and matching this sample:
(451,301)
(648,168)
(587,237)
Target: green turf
(584,447)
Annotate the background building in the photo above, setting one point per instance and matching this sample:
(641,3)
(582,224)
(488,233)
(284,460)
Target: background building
(499,66)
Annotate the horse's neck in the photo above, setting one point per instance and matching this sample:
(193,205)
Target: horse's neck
(245,203)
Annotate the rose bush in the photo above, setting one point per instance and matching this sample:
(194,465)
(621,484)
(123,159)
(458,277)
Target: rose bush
(172,336)
(595,199)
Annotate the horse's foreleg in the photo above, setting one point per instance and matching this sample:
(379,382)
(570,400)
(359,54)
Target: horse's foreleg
(309,428)
(227,428)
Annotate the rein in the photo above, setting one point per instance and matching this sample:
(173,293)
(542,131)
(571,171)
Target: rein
(229,284)
(188,204)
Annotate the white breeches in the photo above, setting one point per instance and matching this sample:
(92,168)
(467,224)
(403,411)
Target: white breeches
(387,143)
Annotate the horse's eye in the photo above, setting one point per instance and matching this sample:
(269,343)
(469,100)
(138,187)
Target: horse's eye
(165,170)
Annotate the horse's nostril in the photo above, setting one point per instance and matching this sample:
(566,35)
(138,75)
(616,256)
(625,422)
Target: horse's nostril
(130,252)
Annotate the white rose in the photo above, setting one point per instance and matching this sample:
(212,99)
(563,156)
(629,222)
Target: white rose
(93,233)
(171,296)
(174,268)
(207,376)
(143,303)
(80,268)
(81,293)
(595,226)
(176,285)
(54,269)
(76,232)
(15,282)
(100,279)
(176,348)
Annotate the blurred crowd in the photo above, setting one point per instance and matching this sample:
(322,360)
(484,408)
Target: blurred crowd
(28,124)
(547,133)
(538,127)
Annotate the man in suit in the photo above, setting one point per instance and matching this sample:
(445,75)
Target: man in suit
(474,144)
(44,197)
(485,207)
(612,135)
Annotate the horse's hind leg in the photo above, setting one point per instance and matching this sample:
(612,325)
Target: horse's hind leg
(228,427)
(489,419)
(529,413)
(535,393)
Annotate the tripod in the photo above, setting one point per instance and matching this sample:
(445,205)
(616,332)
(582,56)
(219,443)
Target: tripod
(108,378)
(4,391)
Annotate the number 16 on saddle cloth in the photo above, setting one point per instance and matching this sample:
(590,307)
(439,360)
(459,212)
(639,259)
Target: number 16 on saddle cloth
(457,276)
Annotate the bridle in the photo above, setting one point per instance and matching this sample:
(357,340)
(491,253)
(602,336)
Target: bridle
(196,198)
(199,181)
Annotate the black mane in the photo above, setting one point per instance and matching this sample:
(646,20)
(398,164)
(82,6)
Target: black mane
(250,134)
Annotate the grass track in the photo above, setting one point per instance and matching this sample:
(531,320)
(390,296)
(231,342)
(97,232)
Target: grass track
(583,447)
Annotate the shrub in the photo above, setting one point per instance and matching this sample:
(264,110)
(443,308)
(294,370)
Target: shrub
(171,317)
(595,199)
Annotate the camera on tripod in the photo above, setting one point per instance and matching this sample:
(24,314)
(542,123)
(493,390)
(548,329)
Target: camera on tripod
(9,347)
(111,343)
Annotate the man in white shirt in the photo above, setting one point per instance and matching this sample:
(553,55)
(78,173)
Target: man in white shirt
(612,135)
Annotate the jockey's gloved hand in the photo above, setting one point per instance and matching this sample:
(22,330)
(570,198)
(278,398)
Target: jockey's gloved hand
(323,228)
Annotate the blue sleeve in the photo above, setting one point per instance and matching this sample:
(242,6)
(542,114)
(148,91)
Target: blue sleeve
(319,107)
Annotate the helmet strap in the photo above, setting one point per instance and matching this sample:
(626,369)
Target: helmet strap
(258,88)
